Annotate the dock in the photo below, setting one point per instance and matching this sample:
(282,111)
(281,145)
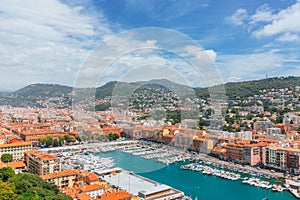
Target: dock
(140,186)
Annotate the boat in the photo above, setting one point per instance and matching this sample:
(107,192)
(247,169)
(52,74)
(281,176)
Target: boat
(277,188)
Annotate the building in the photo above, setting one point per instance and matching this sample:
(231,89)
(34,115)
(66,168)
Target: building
(139,132)
(283,159)
(262,125)
(111,129)
(139,186)
(275,133)
(62,179)
(202,145)
(244,153)
(93,191)
(293,161)
(16,149)
(275,158)
(18,166)
(42,163)
(245,134)
(116,195)
(34,135)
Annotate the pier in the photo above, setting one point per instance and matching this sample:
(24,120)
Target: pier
(140,186)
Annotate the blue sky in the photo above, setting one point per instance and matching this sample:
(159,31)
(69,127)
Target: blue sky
(49,40)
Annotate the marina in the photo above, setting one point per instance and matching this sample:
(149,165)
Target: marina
(194,184)
(147,157)
(253,181)
(163,154)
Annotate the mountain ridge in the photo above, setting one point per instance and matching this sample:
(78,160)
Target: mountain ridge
(28,95)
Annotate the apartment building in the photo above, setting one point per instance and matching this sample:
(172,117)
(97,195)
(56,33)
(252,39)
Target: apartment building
(65,179)
(293,161)
(283,159)
(275,157)
(41,163)
(244,153)
(16,149)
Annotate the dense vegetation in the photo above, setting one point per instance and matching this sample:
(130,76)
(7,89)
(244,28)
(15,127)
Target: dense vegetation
(27,186)
(50,141)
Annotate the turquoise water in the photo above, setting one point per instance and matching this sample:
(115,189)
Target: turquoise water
(194,184)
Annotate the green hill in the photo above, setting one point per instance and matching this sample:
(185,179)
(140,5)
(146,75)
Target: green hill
(30,95)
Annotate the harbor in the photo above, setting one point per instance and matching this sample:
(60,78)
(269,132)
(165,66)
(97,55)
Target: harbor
(194,184)
(147,157)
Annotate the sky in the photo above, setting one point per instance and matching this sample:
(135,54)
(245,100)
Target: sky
(50,41)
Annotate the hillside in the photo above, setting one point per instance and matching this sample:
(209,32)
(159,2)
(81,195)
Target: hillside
(249,88)
(36,95)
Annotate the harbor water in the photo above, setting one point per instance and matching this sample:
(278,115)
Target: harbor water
(193,184)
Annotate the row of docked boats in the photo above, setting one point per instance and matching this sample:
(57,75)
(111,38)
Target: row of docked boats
(84,161)
(163,155)
(262,184)
(211,171)
(207,170)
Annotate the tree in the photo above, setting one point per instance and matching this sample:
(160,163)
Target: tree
(61,140)
(112,136)
(39,119)
(78,138)
(68,138)
(42,140)
(49,141)
(6,173)
(55,142)
(6,158)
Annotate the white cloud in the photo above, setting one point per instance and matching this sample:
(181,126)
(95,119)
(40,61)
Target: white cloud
(239,17)
(286,20)
(48,41)
(266,22)
(44,41)
(263,14)
(288,37)
(201,54)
